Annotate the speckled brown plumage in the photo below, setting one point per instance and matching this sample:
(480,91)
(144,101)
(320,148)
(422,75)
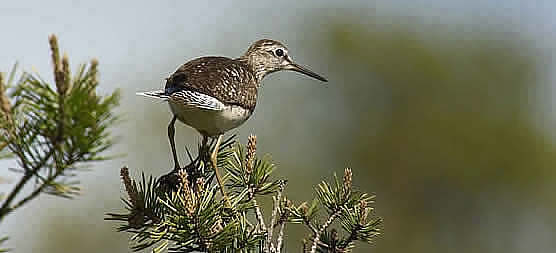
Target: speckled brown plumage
(228,80)
(217,94)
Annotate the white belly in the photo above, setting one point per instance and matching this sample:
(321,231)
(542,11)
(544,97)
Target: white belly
(210,122)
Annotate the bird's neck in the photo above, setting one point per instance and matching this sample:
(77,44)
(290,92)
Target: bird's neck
(257,67)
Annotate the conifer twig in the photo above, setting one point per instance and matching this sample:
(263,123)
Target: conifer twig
(29,172)
(61,73)
(324,226)
(258,214)
(35,129)
(197,220)
(274,216)
(249,160)
(280,237)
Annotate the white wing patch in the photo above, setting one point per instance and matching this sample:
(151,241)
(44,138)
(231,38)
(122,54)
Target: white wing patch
(196,99)
(160,94)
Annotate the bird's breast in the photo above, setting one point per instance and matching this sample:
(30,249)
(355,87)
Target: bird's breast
(210,122)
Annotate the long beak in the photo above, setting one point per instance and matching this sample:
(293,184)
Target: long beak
(297,68)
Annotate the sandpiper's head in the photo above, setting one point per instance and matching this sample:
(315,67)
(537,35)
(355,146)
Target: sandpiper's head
(266,56)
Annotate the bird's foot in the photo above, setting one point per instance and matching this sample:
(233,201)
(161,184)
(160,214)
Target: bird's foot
(168,183)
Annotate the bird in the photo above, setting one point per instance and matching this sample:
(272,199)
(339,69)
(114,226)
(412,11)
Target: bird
(214,94)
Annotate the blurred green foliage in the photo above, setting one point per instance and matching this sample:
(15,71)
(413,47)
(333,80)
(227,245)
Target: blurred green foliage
(453,111)
(442,121)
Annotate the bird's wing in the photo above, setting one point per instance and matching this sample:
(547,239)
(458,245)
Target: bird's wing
(197,99)
(229,81)
(160,94)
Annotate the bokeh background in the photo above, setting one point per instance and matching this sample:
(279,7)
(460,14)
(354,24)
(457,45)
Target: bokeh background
(443,108)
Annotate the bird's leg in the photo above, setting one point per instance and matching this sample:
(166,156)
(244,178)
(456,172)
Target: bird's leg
(203,153)
(171,134)
(213,158)
(205,149)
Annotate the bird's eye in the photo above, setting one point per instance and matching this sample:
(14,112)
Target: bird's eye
(279,52)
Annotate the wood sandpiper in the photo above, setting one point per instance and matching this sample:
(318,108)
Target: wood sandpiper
(216,94)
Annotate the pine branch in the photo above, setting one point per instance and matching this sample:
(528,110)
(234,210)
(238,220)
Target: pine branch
(280,237)
(275,212)
(259,215)
(322,229)
(249,160)
(284,214)
(189,215)
(30,172)
(46,130)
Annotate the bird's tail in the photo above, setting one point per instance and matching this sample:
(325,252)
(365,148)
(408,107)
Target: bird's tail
(160,94)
